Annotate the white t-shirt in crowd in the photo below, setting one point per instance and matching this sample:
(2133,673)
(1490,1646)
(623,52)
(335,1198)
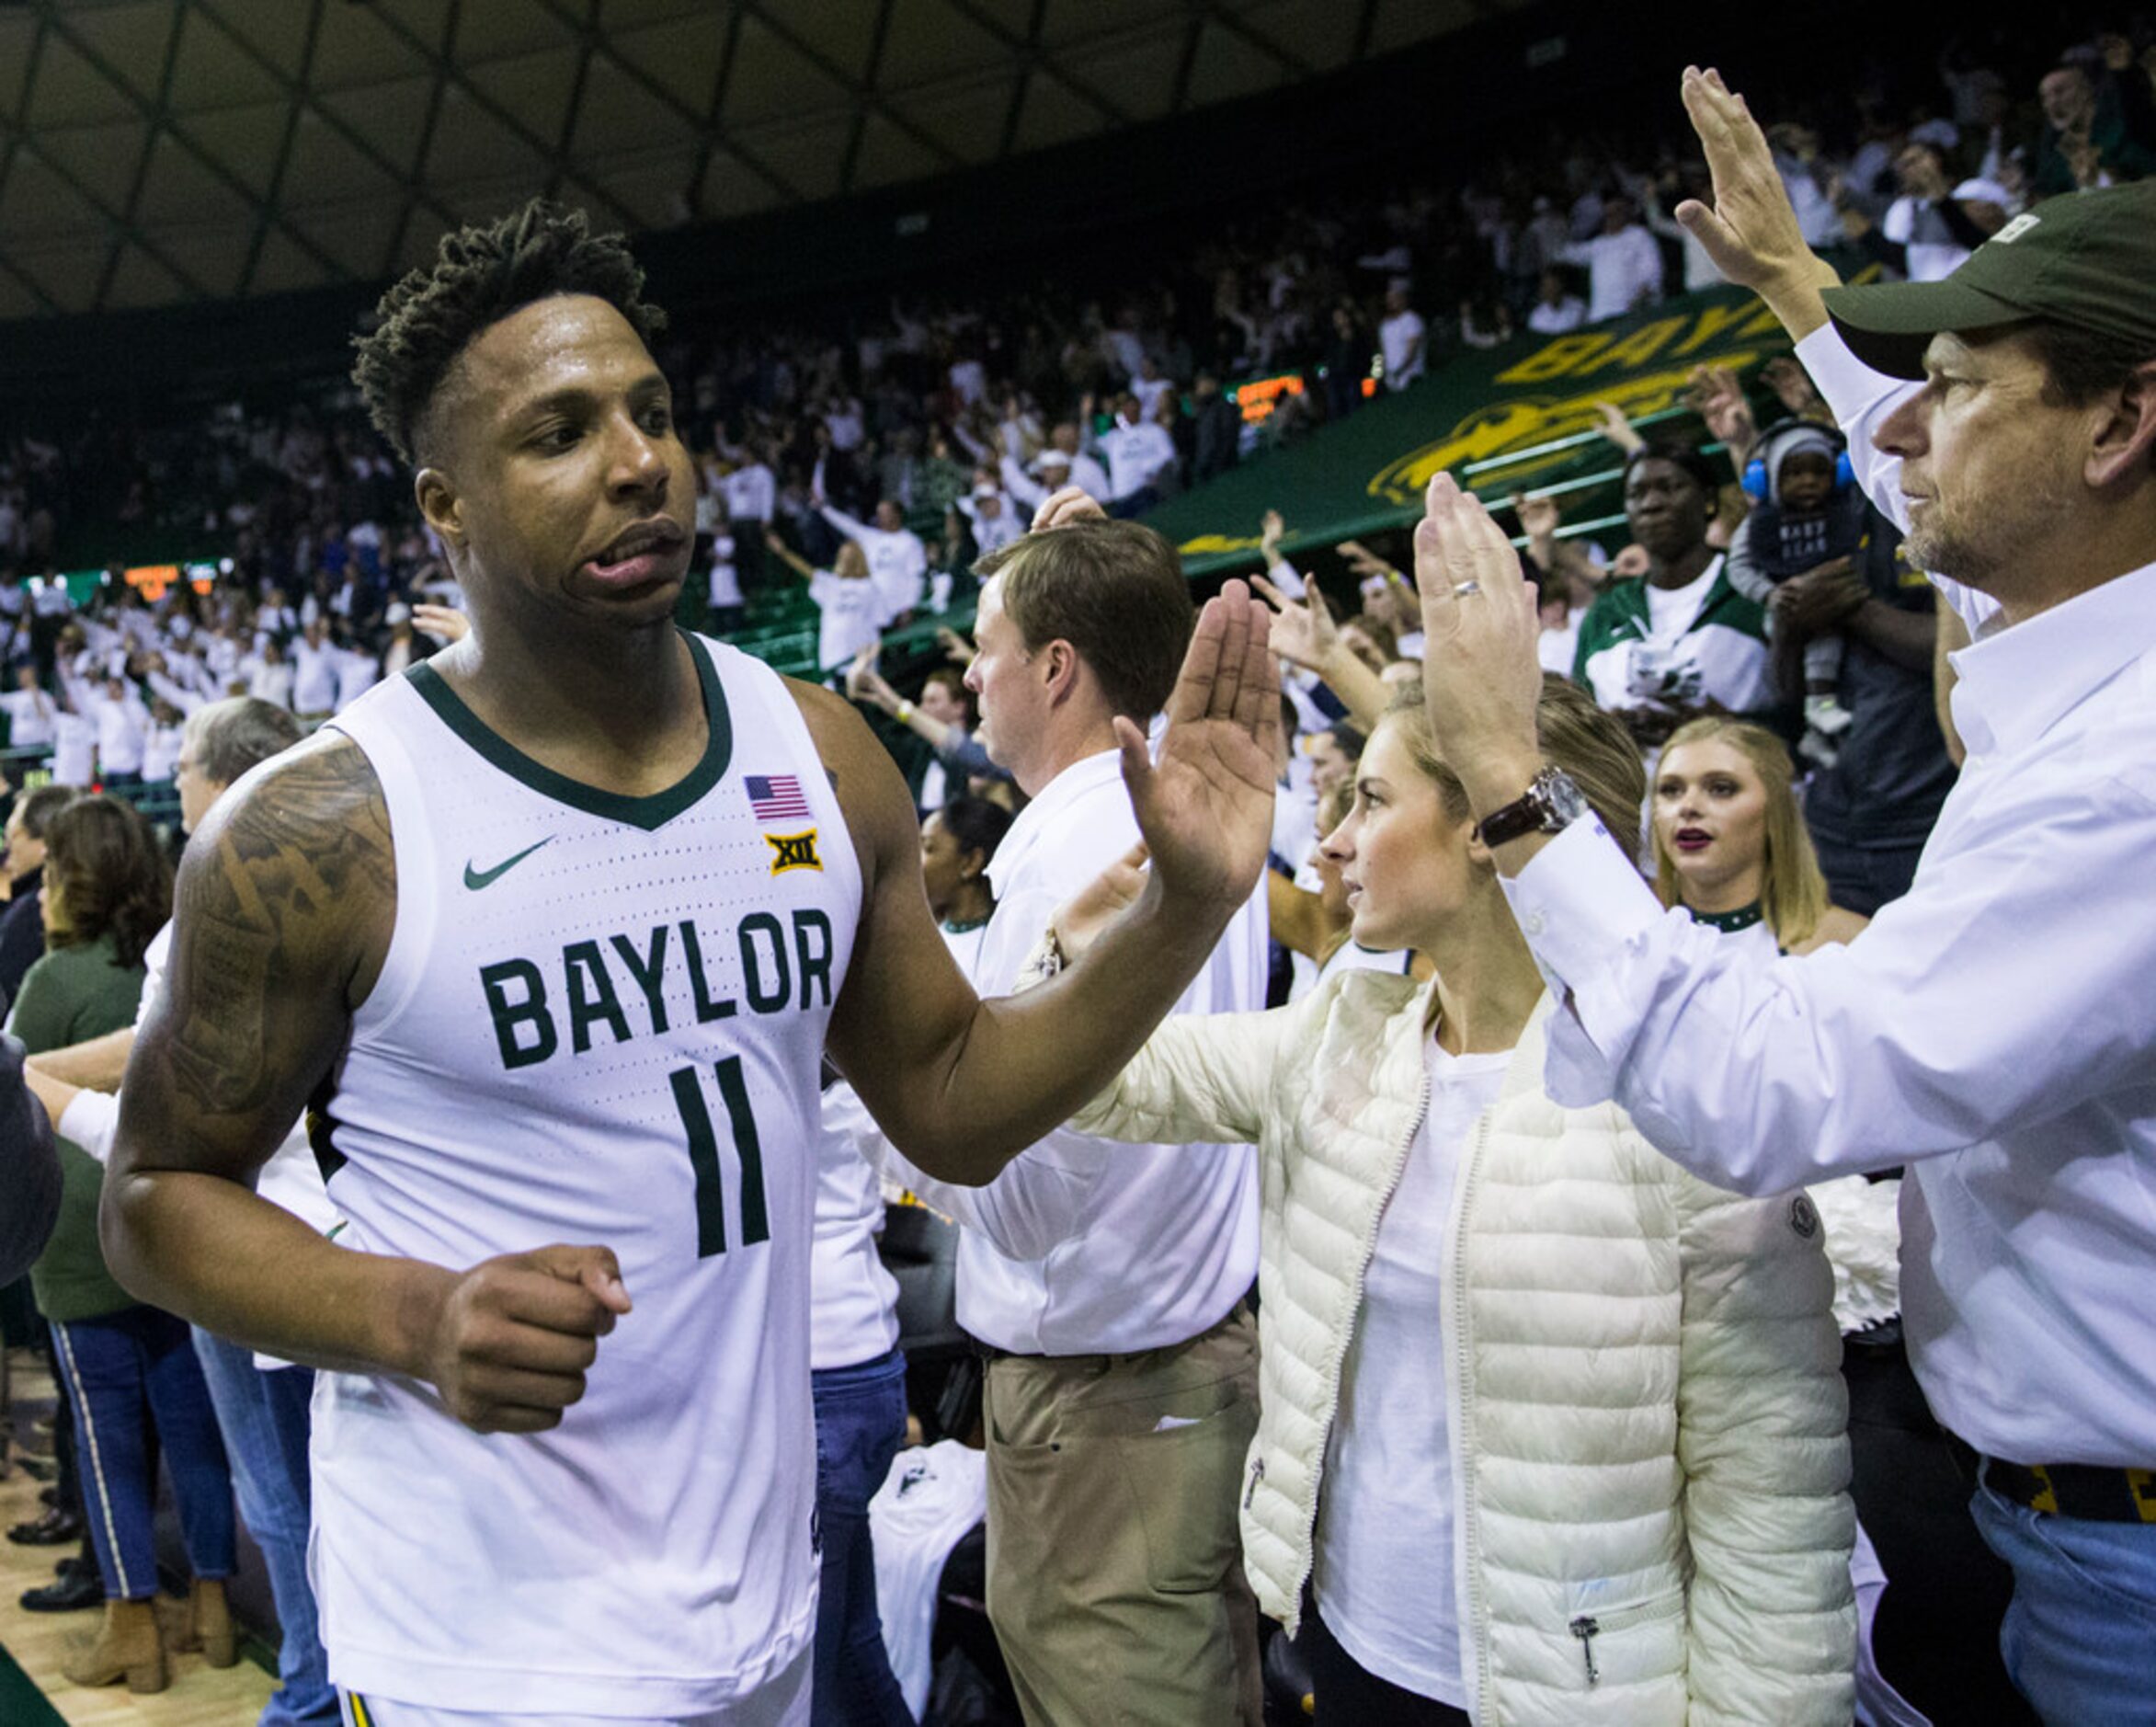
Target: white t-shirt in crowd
(1149,391)
(1383,1560)
(314,673)
(725,589)
(932,1497)
(355,674)
(852,615)
(1135,453)
(74,750)
(898,562)
(32,718)
(853,1300)
(1556,651)
(1406,358)
(1621,268)
(1568,314)
(751,493)
(1669,610)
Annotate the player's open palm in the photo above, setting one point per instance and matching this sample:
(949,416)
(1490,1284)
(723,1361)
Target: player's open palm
(513,1337)
(1205,806)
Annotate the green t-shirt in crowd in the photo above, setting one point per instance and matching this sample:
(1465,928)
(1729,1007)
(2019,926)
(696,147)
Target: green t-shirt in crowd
(71,994)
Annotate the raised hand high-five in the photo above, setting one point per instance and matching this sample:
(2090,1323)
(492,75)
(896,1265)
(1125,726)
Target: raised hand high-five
(1205,806)
(1750,231)
(1481,678)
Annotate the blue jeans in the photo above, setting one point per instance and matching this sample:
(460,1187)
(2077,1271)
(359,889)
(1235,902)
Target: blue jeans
(126,1372)
(266,1424)
(2079,1638)
(860,1419)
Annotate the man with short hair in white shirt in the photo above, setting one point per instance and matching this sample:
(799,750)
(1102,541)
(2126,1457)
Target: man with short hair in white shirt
(1994,1030)
(1556,309)
(1624,263)
(1106,1281)
(1401,338)
(898,562)
(1139,450)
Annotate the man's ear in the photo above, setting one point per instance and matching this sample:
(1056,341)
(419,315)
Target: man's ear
(2125,431)
(439,505)
(1062,663)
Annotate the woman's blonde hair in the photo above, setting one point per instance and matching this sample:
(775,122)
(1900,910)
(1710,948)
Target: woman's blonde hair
(1573,734)
(1792,890)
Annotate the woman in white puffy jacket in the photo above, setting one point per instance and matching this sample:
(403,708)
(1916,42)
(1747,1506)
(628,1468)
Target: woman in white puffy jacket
(1551,1431)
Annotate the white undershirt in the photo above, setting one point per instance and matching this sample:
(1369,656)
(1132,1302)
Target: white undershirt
(1384,1572)
(1669,610)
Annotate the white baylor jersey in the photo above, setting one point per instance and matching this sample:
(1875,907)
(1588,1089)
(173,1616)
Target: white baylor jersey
(601,1021)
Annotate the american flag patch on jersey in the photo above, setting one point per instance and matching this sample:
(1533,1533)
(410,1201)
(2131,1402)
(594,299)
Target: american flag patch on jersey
(775,796)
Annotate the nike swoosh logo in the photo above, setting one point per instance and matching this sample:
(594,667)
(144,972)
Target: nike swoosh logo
(476,879)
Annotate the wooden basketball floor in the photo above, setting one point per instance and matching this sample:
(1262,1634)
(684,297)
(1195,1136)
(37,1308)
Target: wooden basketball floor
(39,1642)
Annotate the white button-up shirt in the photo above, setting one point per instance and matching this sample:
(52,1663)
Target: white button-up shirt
(1995,1029)
(1082,1246)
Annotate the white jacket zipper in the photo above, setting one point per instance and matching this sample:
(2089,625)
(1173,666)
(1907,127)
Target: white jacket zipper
(1474,1621)
(1337,1365)
(1586,1627)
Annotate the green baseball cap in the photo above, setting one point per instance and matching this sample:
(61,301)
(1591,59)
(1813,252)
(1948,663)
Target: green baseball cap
(2086,259)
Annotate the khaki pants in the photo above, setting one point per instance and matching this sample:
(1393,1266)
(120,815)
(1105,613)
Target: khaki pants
(1116,1574)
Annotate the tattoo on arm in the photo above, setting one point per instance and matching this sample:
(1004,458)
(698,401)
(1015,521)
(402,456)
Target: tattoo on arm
(279,904)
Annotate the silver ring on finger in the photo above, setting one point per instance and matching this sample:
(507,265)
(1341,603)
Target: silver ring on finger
(1462,589)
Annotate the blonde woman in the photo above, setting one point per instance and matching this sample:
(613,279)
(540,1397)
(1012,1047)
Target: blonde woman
(1729,843)
(1550,1431)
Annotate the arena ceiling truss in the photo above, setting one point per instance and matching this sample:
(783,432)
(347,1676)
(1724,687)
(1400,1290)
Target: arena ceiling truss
(155,152)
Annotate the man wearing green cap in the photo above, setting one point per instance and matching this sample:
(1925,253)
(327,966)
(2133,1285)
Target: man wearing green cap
(1995,1029)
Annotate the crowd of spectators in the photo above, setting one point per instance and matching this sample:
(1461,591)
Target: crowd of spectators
(927,424)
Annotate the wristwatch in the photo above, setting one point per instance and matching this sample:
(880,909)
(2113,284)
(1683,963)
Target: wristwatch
(1550,804)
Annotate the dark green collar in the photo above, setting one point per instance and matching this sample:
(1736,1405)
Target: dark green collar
(1729,923)
(966,929)
(648,813)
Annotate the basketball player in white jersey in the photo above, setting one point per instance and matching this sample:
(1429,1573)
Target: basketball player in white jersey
(553,932)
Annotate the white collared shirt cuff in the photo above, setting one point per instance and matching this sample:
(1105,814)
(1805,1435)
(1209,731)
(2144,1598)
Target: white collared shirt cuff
(1580,903)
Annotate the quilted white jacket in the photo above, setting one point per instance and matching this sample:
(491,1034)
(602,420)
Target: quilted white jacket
(1649,1441)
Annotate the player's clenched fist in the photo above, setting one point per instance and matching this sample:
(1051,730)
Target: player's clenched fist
(509,1340)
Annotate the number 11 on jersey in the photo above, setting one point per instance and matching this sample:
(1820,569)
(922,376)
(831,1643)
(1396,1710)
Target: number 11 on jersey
(704,1157)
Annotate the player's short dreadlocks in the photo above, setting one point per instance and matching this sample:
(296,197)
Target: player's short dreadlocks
(481,275)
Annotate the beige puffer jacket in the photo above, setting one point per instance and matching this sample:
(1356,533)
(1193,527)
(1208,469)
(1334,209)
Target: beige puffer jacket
(1648,1435)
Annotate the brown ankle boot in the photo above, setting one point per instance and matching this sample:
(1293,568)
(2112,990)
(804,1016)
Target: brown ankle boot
(210,1623)
(127,1647)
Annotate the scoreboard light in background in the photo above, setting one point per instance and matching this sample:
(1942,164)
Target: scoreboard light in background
(151,580)
(1258,397)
